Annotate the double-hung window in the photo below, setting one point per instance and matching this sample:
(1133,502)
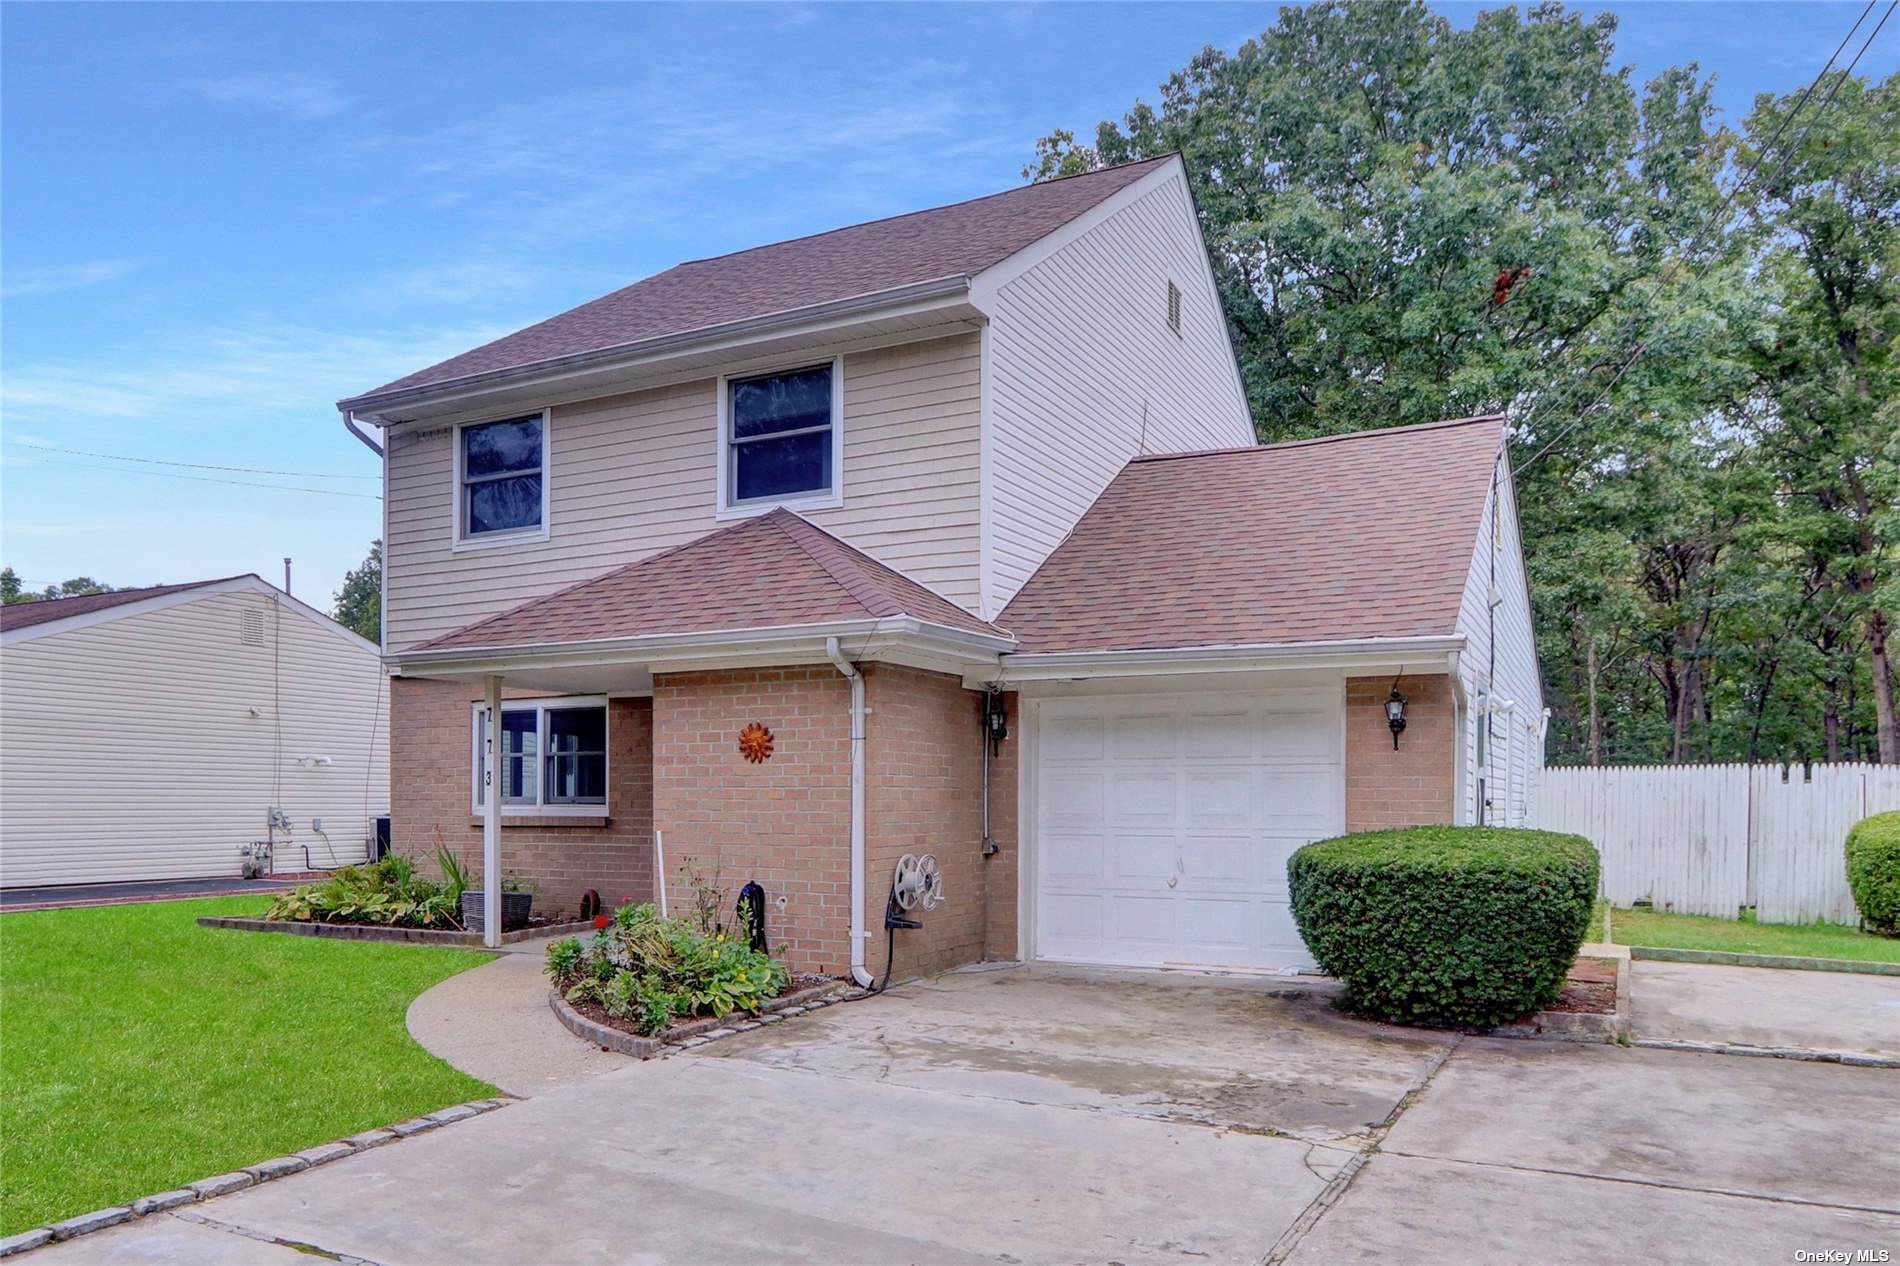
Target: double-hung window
(781,439)
(551,755)
(501,480)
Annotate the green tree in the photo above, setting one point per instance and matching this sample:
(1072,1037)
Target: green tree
(359,603)
(1830,380)
(12,591)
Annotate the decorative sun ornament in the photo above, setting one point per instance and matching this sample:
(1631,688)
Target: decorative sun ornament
(755,743)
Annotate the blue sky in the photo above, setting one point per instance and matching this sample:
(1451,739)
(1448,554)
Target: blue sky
(217,220)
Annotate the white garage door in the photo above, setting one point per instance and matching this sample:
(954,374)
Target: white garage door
(1164,823)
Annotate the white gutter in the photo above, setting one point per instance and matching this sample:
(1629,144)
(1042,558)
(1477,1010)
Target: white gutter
(856,678)
(350,424)
(1048,665)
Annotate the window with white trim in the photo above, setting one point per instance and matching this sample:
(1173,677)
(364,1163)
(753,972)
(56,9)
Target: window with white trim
(780,438)
(552,755)
(501,472)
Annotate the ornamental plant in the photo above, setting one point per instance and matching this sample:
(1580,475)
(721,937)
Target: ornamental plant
(1873,872)
(651,971)
(1442,925)
(388,893)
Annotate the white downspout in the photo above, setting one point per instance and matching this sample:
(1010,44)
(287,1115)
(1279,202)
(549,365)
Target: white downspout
(863,978)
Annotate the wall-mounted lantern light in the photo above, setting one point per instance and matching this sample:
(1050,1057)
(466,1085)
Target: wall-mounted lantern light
(1395,712)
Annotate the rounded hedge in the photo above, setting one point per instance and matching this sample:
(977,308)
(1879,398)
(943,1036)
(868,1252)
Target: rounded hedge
(1873,871)
(1446,925)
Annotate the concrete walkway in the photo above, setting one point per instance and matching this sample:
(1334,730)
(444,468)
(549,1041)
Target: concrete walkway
(1760,1006)
(494,1023)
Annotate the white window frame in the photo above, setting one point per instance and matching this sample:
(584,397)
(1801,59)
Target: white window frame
(541,707)
(459,538)
(828,499)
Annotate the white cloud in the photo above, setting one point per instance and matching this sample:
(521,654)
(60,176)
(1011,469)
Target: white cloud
(292,92)
(35,281)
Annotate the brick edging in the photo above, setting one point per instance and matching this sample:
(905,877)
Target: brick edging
(381,932)
(248,1176)
(1578,1026)
(699,1032)
(1784,962)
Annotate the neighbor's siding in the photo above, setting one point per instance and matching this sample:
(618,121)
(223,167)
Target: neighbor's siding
(128,749)
(634,474)
(1515,753)
(1086,374)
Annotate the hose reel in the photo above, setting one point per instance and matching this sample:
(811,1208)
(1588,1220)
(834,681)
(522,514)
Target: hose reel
(918,881)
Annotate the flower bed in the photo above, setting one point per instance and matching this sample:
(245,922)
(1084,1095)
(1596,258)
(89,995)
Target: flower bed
(651,977)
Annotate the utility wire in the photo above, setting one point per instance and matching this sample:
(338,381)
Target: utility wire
(159,461)
(207,479)
(1636,352)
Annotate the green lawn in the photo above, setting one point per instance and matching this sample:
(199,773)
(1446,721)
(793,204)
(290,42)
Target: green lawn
(139,1051)
(1745,936)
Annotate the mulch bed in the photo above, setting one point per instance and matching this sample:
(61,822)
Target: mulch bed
(1590,988)
(684,1025)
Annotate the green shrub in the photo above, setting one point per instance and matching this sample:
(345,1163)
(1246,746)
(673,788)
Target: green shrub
(651,971)
(388,892)
(1873,871)
(1441,925)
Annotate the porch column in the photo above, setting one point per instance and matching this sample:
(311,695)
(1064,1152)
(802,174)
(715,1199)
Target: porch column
(491,819)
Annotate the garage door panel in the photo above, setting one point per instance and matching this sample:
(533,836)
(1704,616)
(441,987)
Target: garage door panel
(1299,734)
(1143,860)
(1300,801)
(1145,735)
(1144,922)
(1070,859)
(1074,797)
(1233,861)
(1223,735)
(1074,918)
(1221,931)
(1220,798)
(1143,796)
(1073,738)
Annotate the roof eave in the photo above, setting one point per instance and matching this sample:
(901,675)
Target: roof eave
(372,406)
(736,648)
(1431,652)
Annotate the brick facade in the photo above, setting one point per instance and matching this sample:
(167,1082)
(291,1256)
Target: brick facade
(785,822)
(431,770)
(1411,786)
(924,794)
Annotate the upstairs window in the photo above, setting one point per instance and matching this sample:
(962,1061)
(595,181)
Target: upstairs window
(501,470)
(780,438)
(552,755)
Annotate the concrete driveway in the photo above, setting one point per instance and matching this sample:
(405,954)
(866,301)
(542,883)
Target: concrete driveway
(1037,1115)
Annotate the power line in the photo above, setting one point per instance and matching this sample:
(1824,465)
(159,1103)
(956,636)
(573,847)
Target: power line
(207,479)
(159,461)
(1636,352)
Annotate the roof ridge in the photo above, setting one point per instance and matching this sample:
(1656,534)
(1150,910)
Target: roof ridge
(1312,440)
(905,215)
(837,563)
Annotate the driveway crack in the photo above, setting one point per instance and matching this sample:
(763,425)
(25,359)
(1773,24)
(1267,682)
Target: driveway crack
(264,1237)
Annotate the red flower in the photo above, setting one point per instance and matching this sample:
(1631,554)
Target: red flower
(601,921)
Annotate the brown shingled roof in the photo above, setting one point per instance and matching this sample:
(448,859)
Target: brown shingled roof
(20,615)
(961,239)
(1351,536)
(773,570)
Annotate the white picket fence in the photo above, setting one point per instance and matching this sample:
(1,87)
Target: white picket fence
(1709,839)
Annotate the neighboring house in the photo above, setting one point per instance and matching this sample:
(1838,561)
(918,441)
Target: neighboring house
(877,489)
(151,733)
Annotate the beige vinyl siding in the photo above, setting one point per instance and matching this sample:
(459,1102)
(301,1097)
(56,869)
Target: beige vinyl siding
(1086,374)
(1515,752)
(128,749)
(633,474)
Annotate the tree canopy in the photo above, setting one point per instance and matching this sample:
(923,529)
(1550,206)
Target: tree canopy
(1410,221)
(359,603)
